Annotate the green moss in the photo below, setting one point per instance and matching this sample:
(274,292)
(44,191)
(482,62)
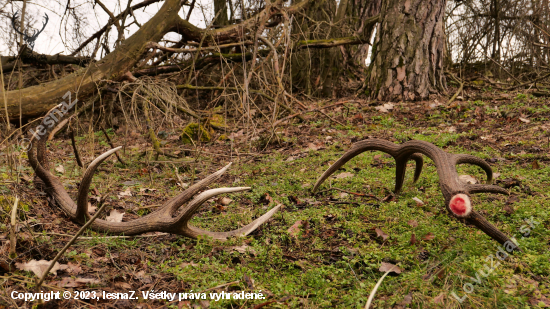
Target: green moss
(216,120)
(194,132)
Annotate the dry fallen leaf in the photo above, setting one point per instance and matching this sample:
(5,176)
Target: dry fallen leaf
(38,267)
(126,192)
(70,282)
(412,223)
(380,233)
(429,236)
(183,265)
(123,285)
(146,190)
(413,239)
(406,300)
(535,165)
(243,249)
(389,267)
(225,201)
(524,120)
(114,216)
(418,201)
(60,169)
(467,179)
(91,209)
(143,277)
(71,268)
(384,108)
(295,228)
(232,136)
(343,195)
(312,146)
(439,299)
(344,175)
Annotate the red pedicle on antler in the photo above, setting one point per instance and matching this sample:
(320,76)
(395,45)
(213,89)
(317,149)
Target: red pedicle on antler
(460,205)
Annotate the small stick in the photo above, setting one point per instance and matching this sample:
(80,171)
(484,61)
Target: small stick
(330,118)
(459,88)
(13,238)
(68,245)
(76,155)
(276,123)
(522,131)
(112,146)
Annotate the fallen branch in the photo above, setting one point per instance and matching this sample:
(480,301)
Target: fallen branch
(76,154)
(112,146)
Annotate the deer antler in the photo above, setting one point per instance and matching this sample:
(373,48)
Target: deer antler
(37,32)
(455,192)
(13,19)
(166,219)
(30,39)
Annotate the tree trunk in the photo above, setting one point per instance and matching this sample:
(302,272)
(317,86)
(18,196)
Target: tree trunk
(409,51)
(220,9)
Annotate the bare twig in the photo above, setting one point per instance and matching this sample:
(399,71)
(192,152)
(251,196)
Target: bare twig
(13,237)
(75,149)
(60,253)
(112,146)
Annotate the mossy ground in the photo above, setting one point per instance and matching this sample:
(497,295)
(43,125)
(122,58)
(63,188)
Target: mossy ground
(331,258)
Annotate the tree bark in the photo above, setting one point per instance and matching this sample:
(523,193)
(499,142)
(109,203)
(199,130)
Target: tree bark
(409,51)
(220,11)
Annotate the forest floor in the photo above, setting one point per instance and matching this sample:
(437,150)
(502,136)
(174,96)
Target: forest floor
(318,251)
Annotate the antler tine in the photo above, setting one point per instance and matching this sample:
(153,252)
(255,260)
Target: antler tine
(469,159)
(81,213)
(401,167)
(182,226)
(481,188)
(36,32)
(197,202)
(243,231)
(418,168)
(173,205)
(380,145)
(13,18)
(481,223)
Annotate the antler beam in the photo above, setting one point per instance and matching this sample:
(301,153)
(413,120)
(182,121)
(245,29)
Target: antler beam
(455,192)
(171,217)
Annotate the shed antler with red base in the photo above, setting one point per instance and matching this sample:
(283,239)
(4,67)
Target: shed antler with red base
(166,219)
(455,192)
